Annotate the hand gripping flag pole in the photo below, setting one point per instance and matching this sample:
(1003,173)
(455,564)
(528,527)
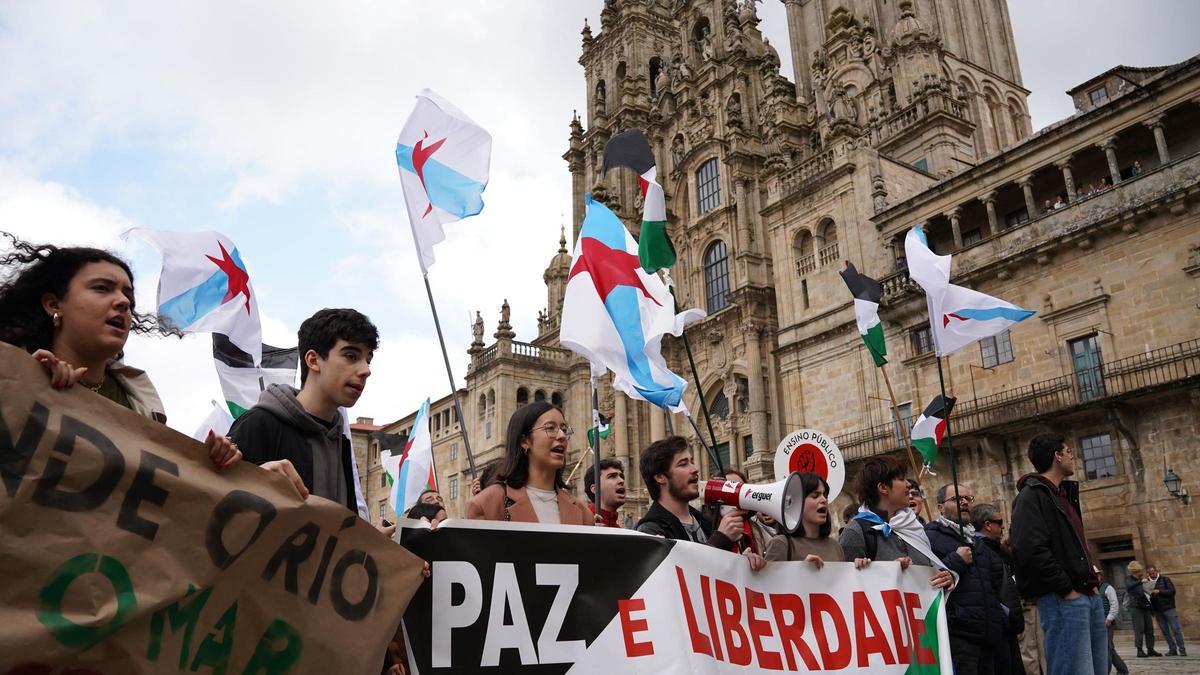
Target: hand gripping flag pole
(443,158)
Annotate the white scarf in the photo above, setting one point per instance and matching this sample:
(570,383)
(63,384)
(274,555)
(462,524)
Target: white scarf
(967,528)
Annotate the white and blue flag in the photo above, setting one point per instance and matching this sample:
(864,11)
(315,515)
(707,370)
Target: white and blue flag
(615,314)
(444,160)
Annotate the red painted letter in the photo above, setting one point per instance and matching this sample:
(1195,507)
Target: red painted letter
(759,629)
(729,604)
(629,626)
(712,619)
(916,626)
(818,604)
(895,611)
(873,641)
(791,629)
(700,643)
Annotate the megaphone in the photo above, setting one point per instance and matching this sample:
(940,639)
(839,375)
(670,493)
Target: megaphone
(783,500)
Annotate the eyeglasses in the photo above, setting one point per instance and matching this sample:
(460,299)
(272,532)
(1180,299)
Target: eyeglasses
(964,498)
(915,493)
(997,522)
(553,429)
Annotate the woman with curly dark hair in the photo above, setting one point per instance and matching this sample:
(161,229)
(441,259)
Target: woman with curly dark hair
(72,308)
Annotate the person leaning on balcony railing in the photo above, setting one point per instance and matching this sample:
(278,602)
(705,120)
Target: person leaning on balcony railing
(885,528)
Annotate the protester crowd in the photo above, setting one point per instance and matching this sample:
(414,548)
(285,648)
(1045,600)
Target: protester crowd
(1034,602)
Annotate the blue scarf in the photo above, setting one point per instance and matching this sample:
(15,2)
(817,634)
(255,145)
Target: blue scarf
(874,519)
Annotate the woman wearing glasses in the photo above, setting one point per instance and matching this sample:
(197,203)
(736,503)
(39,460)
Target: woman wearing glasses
(529,486)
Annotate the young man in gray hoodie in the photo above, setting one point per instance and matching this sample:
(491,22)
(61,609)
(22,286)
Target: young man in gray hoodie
(298,433)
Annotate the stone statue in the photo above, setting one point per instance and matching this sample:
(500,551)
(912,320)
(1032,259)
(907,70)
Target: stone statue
(477,329)
(504,314)
(705,43)
(601,96)
(677,151)
(733,111)
(843,107)
(662,81)
(747,12)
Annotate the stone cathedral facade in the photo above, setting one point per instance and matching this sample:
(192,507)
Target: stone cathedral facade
(902,112)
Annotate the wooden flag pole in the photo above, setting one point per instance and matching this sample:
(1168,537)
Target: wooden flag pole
(462,421)
(912,459)
(595,444)
(581,458)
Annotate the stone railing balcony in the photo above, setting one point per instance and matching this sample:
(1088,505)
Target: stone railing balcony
(924,106)
(813,169)
(828,255)
(1176,365)
(898,284)
(1077,218)
(525,350)
(486,356)
(806,264)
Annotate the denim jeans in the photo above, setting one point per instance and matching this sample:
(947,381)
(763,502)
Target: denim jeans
(1168,623)
(1076,637)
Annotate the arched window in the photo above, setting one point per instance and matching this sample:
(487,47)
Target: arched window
(827,248)
(708,186)
(621,68)
(719,407)
(522,396)
(482,407)
(655,69)
(804,251)
(557,399)
(539,395)
(716,276)
(1017,118)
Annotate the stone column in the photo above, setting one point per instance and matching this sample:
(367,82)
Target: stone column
(1064,165)
(800,48)
(1026,183)
(952,215)
(758,400)
(658,426)
(743,210)
(989,200)
(621,426)
(1160,140)
(1109,146)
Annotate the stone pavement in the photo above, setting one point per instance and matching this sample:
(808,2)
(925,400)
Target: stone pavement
(1167,665)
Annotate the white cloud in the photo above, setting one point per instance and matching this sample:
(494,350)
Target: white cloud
(49,212)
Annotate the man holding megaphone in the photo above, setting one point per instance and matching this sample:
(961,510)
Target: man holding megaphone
(673,479)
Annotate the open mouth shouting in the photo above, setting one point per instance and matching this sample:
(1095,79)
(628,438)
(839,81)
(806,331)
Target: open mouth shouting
(558,452)
(118,324)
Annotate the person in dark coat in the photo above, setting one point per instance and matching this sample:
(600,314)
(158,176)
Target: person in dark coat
(1054,563)
(1162,601)
(973,609)
(994,559)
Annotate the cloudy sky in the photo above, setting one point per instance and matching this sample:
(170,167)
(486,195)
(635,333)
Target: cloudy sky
(275,123)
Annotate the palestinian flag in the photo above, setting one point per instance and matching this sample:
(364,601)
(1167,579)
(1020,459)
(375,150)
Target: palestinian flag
(604,430)
(931,426)
(631,149)
(867,293)
(241,382)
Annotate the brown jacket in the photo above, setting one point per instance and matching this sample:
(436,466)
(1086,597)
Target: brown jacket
(489,505)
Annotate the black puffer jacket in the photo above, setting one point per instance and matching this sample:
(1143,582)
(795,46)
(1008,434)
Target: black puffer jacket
(1137,594)
(997,565)
(973,610)
(1049,556)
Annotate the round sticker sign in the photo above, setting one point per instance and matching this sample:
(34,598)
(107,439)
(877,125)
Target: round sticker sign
(809,450)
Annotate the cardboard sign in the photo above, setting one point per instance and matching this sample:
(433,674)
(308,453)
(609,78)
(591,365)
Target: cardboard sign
(527,598)
(123,551)
(809,450)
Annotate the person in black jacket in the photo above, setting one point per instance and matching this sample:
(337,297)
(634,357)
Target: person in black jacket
(996,563)
(1053,561)
(298,433)
(973,610)
(1140,609)
(1162,601)
(671,476)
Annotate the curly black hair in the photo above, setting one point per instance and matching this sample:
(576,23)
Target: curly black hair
(31,271)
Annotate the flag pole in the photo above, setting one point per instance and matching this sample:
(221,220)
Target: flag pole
(462,421)
(687,347)
(912,459)
(950,447)
(712,449)
(595,444)
(581,458)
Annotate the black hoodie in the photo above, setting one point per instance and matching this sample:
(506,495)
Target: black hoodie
(1050,554)
(278,427)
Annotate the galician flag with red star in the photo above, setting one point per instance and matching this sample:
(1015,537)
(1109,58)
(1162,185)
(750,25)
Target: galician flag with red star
(204,287)
(615,314)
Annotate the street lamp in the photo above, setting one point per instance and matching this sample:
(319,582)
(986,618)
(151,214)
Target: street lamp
(1173,483)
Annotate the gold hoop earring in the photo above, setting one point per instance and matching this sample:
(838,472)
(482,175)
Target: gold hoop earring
(56,319)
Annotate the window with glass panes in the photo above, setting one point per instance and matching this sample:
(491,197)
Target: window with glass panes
(453,451)
(708,186)
(1098,459)
(996,349)
(716,276)
(1099,96)
(972,237)
(453,488)
(922,340)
